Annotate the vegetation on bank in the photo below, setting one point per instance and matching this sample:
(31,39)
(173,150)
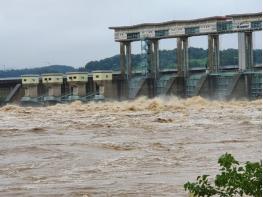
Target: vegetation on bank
(39,70)
(234,179)
(197,58)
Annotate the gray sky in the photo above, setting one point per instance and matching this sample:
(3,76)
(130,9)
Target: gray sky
(72,32)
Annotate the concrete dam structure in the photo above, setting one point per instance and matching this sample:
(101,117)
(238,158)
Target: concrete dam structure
(213,81)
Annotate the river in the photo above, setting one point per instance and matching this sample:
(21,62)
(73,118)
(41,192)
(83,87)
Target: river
(146,147)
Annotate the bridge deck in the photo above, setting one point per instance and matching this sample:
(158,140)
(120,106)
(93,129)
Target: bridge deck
(196,27)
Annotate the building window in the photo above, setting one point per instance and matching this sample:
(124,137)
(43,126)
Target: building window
(106,76)
(24,79)
(49,79)
(132,36)
(161,33)
(45,79)
(192,30)
(70,78)
(97,76)
(256,25)
(224,26)
(243,25)
(74,77)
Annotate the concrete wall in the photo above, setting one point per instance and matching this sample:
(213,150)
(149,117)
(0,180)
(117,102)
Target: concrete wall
(110,90)
(31,91)
(78,89)
(240,89)
(117,89)
(205,89)
(54,90)
(177,87)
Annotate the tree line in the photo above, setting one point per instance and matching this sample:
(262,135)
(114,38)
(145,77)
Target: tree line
(197,58)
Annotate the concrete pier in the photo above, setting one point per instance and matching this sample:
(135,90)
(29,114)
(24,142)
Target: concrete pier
(30,85)
(125,60)
(213,53)
(154,58)
(77,85)
(182,56)
(245,50)
(157,59)
(103,84)
(53,82)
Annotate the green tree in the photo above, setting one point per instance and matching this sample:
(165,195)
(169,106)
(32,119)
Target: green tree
(234,179)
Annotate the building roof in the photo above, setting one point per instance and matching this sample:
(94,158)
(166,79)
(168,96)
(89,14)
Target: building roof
(53,74)
(245,15)
(102,71)
(76,73)
(30,75)
(186,21)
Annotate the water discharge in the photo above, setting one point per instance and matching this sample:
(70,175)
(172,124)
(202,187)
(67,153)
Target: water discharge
(132,148)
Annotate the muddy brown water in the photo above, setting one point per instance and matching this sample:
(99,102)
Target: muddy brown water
(139,148)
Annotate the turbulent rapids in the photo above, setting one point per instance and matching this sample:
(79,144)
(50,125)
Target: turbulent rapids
(142,147)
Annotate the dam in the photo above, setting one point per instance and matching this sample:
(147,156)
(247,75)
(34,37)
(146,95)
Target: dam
(151,134)
(211,81)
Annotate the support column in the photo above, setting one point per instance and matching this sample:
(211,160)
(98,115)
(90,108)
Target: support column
(122,59)
(125,59)
(128,60)
(125,68)
(153,58)
(245,50)
(153,65)
(179,57)
(149,55)
(182,56)
(213,53)
(156,59)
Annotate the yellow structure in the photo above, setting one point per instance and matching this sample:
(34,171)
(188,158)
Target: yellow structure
(101,75)
(77,85)
(52,78)
(101,79)
(30,86)
(77,77)
(30,79)
(53,82)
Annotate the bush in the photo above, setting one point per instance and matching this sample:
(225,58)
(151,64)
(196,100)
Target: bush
(235,179)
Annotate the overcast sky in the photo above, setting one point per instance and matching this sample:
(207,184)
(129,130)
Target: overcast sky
(72,32)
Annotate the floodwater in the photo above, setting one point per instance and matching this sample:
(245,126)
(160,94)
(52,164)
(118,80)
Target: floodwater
(138,148)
